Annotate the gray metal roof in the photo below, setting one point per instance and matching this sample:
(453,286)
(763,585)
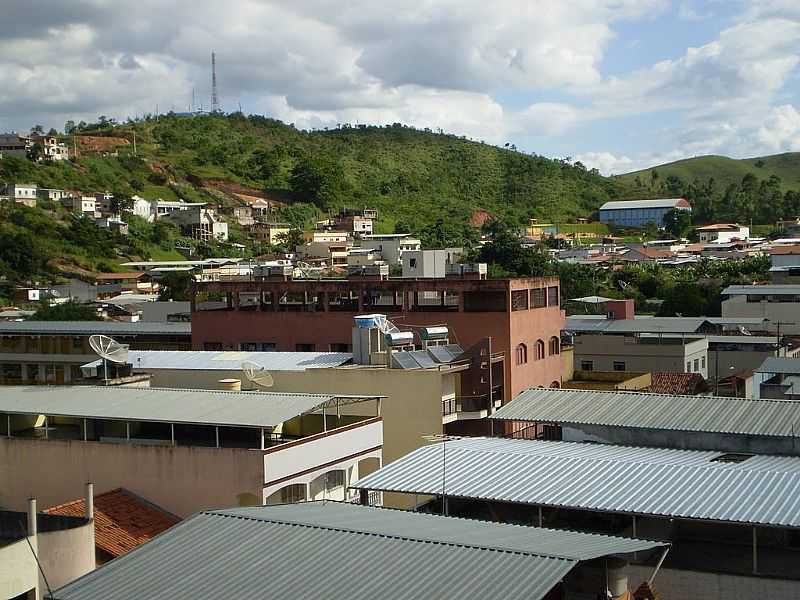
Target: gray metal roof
(198,360)
(626,204)
(201,407)
(645,481)
(333,550)
(761,290)
(639,325)
(111,328)
(774,364)
(713,414)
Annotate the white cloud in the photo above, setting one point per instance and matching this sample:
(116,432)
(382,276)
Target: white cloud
(781,130)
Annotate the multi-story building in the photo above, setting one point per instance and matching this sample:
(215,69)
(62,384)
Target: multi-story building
(82,205)
(641,353)
(14,144)
(522,316)
(271,233)
(52,352)
(197,222)
(356,222)
(332,253)
(391,245)
(52,149)
(185,450)
(785,264)
(638,213)
(429,263)
(777,305)
(22,193)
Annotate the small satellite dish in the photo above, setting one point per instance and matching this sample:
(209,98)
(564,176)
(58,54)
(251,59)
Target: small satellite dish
(109,348)
(257,374)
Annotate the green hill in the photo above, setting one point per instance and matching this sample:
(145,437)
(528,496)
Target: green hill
(727,171)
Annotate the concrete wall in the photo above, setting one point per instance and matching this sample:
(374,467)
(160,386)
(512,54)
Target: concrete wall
(66,555)
(674,584)
(412,408)
(182,480)
(605,350)
(738,306)
(18,572)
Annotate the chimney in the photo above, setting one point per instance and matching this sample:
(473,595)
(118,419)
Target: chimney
(90,501)
(32,524)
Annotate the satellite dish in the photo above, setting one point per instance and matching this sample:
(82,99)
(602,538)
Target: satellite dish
(109,348)
(257,374)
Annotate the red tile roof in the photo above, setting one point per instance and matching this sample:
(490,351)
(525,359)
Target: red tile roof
(122,520)
(124,275)
(687,384)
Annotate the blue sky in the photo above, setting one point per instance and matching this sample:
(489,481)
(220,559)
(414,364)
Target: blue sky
(617,84)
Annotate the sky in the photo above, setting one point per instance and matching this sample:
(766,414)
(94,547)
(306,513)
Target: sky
(617,84)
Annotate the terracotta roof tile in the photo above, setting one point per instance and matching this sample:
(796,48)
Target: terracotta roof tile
(685,384)
(122,520)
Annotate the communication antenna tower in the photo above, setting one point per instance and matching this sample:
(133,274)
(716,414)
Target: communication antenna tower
(214,98)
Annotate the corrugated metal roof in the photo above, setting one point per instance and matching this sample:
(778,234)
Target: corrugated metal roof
(225,557)
(203,407)
(639,325)
(646,481)
(713,414)
(775,364)
(231,361)
(761,290)
(657,203)
(436,528)
(111,328)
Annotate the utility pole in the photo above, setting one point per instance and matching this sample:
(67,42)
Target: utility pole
(134,142)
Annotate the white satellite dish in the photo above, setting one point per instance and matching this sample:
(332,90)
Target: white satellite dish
(109,348)
(257,374)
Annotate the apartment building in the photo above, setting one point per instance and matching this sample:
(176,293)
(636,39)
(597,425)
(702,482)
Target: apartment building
(196,221)
(522,316)
(356,222)
(52,352)
(81,205)
(52,149)
(22,193)
(185,450)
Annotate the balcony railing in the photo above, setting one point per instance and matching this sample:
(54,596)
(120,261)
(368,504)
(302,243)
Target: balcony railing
(465,404)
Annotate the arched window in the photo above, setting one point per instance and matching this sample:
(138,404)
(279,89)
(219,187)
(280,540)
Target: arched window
(522,354)
(539,349)
(555,345)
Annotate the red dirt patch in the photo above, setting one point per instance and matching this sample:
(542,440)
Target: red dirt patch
(479,218)
(97,143)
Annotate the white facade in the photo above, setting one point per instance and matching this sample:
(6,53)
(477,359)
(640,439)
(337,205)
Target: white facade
(392,246)
(141,208)
(22,192)
(429,263)
(722,234)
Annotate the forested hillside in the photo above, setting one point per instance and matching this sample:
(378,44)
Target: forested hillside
(413,177)
(761,189)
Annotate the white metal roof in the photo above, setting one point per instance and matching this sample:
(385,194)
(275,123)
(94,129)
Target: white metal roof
(196,360)
(200,407)
(761,290)
(657,203)
(762,490)
(776,364)
(712,414)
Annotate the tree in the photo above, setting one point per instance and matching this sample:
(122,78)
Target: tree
(69,311)
(319,179)
(509,257)
(176,286)
(37,129)
(120,202)
(69,126)
(53,132)
(677,222)
(290,241)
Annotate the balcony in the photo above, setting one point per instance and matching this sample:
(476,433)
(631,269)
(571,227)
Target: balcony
(465,407)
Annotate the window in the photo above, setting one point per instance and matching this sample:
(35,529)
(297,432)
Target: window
(258,346)
(552,296)
(304,347)
(340,347)
(587,365)
(703,362)
(555,345)
(521,354)
(412,262)
(696,365)
(539,298)
(539,349)
(619,365)
(212,345)
(688,366)
(519,300)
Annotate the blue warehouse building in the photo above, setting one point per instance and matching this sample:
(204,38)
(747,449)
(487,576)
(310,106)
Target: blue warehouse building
(638,213)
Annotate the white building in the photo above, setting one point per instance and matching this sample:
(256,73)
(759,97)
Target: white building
(196,221)
(429,263)
(778,304)
(391,245)
(722,233)
(52,149)
(82,205)
(22,193)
